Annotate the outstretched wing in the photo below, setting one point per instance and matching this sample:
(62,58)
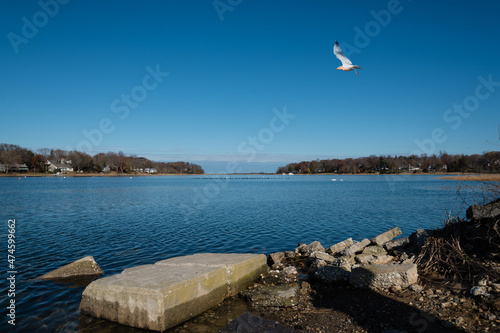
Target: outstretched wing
(338,53)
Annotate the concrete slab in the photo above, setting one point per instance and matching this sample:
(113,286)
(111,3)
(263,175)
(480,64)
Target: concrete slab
(163,295)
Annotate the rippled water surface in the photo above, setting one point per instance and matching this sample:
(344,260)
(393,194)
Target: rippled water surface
(124,222)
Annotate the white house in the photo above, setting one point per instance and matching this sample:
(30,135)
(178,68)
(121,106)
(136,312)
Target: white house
(52,167)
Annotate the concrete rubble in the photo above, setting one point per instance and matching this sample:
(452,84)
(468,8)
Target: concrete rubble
(82,268)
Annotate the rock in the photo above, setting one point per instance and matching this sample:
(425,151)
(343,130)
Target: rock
(383,259)
(459,321)
(323,256)
(250,323)
(490,316)
(334,249)
(85,267)
(395,289)
(416,288)
(370,259)
(356,247)
(420,236)
(315,246)
(331,275)
(489,211)
(397,243)
(478,291)
(344,262)
(386,236)
(301,248)
(287,275)
(384,276)
(289,254)
(375,250)
(275,296)
(306,250)
(275,258)
(364,259)
(496,287)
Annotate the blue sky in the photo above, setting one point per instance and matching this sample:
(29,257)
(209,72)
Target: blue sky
(250,82)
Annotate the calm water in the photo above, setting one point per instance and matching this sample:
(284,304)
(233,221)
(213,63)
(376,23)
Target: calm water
(124,222)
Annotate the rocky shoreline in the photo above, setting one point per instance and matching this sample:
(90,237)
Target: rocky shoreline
(383,284)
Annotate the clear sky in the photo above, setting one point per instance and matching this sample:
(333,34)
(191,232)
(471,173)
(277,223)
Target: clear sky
(250,82)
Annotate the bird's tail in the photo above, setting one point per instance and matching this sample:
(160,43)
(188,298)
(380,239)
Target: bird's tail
(357,67)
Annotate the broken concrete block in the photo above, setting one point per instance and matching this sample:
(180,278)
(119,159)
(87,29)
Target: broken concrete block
(356,247)
(384,276)
(375,250)
(85,267)
(336,248)
(331,275)
(386,236)
(397,243)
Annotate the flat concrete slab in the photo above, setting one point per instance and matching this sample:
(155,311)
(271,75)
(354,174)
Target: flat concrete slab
(163,295)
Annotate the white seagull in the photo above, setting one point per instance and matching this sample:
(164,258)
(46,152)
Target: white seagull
(346,63)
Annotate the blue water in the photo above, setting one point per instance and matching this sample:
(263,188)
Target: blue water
(124,222)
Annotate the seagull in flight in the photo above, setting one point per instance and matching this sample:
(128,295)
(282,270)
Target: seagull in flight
(346,63)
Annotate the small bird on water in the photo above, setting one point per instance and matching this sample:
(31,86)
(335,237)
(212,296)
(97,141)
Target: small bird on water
(346,63)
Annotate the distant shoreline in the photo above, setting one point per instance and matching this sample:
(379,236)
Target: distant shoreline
(438,175)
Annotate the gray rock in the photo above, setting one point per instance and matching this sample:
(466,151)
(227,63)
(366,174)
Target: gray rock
(383,259)
(416,288)
(370,259)
(314,247)
(275,296)
(275,258)
(344,262)
(386,236)
(301,248)
(364,259)
(331,275)
(478,291)
(419,237)
(356,247)
(286,275)
(384,276)
(323,256)
(306,250)
(85,267)
(334,249)
(397,243)
(375,250)
(489,211)
(490,316)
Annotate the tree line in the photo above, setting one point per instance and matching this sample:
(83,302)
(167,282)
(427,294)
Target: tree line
(39,161)
(488,162)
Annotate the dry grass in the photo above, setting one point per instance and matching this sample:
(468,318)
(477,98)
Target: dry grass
(477,178)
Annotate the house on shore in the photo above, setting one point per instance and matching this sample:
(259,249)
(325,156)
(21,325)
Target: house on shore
(52,167)
(14,168)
